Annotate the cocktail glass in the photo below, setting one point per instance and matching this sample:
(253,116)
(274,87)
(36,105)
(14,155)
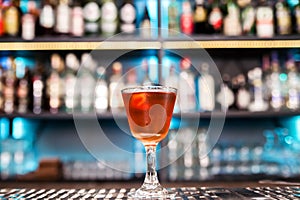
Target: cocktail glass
(149,111)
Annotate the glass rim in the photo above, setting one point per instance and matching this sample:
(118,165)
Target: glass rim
(144,88)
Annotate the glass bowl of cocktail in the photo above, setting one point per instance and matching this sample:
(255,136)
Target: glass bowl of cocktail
(149,111)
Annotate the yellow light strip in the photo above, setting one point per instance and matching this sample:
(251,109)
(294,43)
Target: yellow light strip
(30,46)
(231,44)
(128,45)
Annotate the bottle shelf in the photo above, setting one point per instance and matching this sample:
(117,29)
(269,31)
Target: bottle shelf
(73,43)
(191,115)
(135,42)
(218,41)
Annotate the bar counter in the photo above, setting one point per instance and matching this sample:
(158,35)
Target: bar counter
(133,184)
(263,190)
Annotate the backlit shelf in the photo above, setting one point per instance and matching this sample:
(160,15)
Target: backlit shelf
(218,44)
(111,45)
(134,42)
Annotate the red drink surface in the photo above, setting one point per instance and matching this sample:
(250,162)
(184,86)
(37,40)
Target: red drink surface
(149,114)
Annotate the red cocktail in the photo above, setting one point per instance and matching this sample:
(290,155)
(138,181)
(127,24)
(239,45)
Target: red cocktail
(149,114)
(149,111)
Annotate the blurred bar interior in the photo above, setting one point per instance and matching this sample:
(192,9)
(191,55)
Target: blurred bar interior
(43,58)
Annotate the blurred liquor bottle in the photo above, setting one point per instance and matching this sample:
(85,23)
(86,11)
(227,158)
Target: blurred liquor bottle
(115,86)
(63,18)
(128,17)
(29,21)
(200,17)
(54,83)
(145,26)
(109,18)
(1,19)
(38,87)
(225,97)
(186,18)
(276,98)
(22,93)
(264,19)
(234,86)
(206,89)
(173,18)
(258,104)
(101,91)
(292,99)
(91,16)
(297,18)
(266,75)
(187,98)
(172,80)
(283,18)
(87,82)
(77,22)
(232,25)
(215,18)
(247,17)
(243,96)
(12,17)
(9,86)
(46,18)
(71,96)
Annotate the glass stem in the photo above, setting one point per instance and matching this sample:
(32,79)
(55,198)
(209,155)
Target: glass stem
(151,178)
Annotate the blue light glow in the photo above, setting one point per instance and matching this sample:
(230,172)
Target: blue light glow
(4,62)
(283,77)
(297,127)
(293,125)
(165,16)
(24,129)
(152,10)
(175,123)
(289,140)
(20,67)
(18,128)
(24,6)
(140,5)
(4,128)
(293,3)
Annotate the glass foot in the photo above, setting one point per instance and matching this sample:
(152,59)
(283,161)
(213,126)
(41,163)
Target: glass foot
(151,193)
